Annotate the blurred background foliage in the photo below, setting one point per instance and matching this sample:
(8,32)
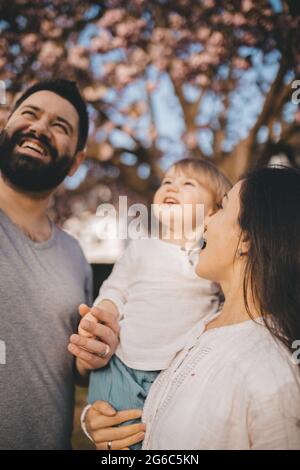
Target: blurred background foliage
(164,79)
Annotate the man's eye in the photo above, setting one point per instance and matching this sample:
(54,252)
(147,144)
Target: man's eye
(189,183)
(29,112)
(61,126)
(166,182)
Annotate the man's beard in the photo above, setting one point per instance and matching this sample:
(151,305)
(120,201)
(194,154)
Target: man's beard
(30,174)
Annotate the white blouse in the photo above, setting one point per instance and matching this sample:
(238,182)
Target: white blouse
(160,299)
(232,387)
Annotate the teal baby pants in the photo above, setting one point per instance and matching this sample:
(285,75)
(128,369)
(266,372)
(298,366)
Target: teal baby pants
(124,388)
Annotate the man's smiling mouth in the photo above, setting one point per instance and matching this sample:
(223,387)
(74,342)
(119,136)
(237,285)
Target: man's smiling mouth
(35,146)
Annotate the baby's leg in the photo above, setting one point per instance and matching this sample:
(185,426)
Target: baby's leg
(124,388)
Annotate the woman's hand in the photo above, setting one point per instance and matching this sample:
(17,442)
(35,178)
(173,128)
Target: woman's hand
(102,424)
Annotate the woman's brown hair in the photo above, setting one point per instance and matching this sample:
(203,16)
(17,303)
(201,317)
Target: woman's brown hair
(270,220)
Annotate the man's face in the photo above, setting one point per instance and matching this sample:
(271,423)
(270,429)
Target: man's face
(38,144)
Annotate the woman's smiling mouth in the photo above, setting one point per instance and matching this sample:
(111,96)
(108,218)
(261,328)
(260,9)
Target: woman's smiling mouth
(202,243)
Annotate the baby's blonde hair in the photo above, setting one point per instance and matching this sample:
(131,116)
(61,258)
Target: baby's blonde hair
(207,174)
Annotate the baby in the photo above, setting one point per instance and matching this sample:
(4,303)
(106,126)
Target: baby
(154,290)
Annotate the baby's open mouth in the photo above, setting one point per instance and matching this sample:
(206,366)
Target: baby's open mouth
(170,200)
(35,146)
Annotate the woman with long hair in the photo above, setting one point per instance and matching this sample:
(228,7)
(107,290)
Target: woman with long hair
(236,384)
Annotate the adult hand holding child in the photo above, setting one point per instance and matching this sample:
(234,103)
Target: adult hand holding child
(103,425)
(97,339)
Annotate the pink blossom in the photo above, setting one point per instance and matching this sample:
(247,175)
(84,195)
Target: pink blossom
(158,51)
(190,139)
(208,3)
(216,39)
(153,133)
(139,57)
(249,39)
(94,93)
(196,60)
(109,68)
(241,63)
(50,53)
(125,74)
(130,29)
(183,3)
(106,152)
(184,35)
(239,19)
(103,42)
(108,127)
(128,130)
(161,64)
(139,3)
(202,80)
(111,17)
(267,12)
(247,5)
(226,18)
(77,57)
(49,30)
(160,35)
(203,33)
(151,86)
(30,42)
(137,109)
(3,62)
(118,43)
(297,117)
(176,21)
(178,70)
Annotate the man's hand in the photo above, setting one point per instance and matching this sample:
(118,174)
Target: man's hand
(102,423)
(104,335)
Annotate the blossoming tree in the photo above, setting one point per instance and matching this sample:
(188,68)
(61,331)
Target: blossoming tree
(207,78)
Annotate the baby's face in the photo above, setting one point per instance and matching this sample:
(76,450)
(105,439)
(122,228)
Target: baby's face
(181,203)
(179,188)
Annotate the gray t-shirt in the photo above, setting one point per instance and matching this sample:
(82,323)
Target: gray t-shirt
(41,286)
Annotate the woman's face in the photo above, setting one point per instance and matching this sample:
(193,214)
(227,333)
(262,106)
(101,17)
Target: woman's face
(222,237)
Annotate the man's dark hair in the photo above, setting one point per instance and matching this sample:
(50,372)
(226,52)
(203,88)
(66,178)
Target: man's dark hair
(68,90)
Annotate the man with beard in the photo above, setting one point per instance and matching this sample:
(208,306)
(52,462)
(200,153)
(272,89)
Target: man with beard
(44,275)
